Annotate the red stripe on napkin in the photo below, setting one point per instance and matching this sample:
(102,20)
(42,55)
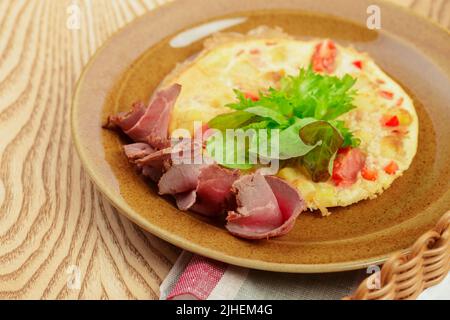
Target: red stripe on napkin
(198,279)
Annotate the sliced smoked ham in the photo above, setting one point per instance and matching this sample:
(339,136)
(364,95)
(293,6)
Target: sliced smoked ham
(126,120)
(179,179)
(213,194)
(151,124)
(184,151)
(205,189)
(153,168)
(266,207)
(258,206)
(138,150)
(185,200)
(153,172)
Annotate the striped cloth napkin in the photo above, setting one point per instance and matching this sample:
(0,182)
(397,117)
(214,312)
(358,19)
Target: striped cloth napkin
(197,278)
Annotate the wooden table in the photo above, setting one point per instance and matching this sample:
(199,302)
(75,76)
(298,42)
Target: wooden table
(59,238)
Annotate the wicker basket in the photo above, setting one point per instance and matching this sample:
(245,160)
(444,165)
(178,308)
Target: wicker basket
(406,275)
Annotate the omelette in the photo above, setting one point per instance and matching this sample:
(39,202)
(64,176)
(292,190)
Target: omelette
(384,119)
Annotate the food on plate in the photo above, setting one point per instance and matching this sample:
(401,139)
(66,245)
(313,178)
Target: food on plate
(343,130)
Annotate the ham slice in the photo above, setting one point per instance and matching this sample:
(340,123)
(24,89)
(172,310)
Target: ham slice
(151,124)
(185,151)
(126,120)
(155,156)
(185,200)
(137,150)
(205,189)
(179,179)
(153,169)
(267,207)
(155,162)
(153,172)
(213,193)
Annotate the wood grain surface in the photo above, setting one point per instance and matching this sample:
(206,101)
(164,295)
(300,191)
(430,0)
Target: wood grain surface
(59,238)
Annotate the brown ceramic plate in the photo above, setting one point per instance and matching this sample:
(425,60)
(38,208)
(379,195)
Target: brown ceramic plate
(412,50)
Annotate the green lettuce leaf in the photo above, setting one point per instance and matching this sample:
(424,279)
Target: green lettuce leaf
(227,156)
(318,162)
(269,114)
(349,139)
(291,145)
(322,97)
(233,120)
(305,111)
